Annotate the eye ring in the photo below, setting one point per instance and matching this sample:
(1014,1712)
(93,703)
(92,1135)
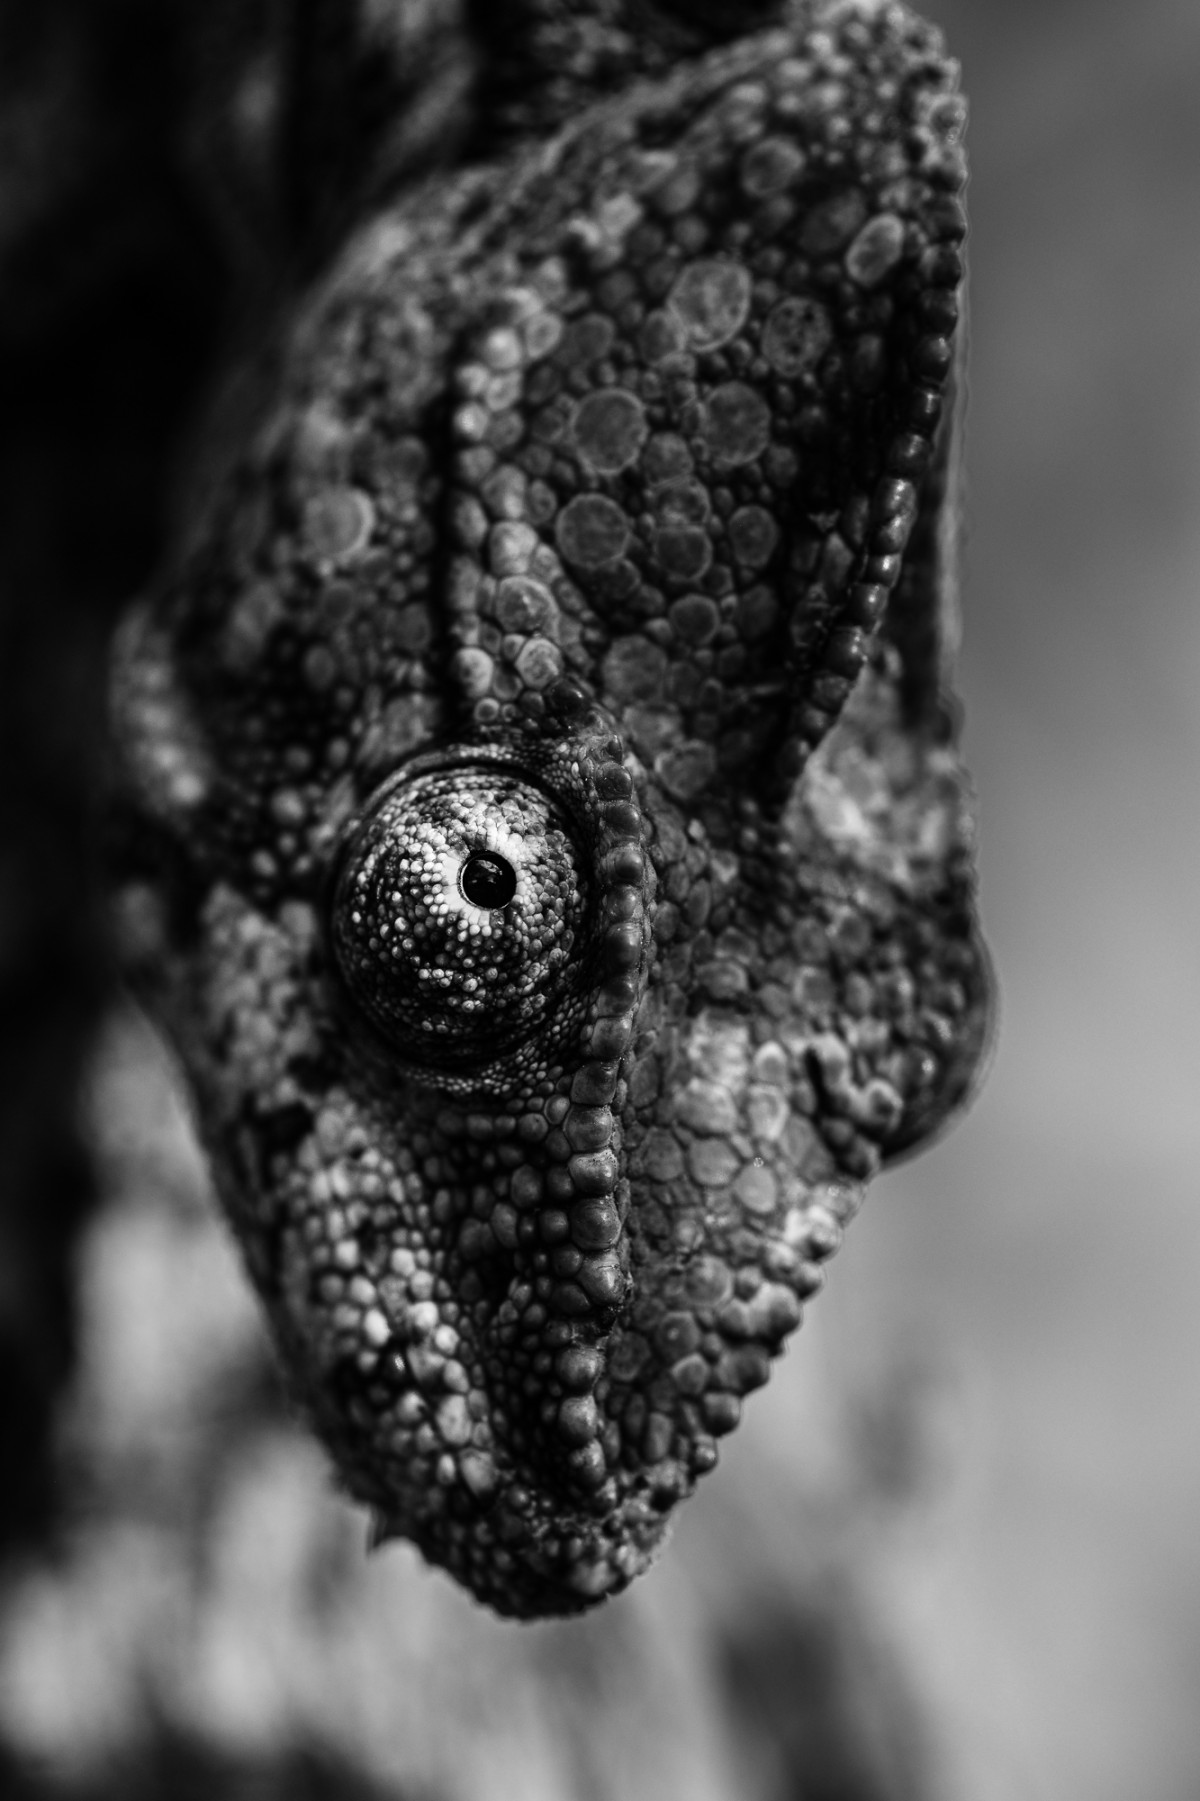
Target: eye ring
(460,914)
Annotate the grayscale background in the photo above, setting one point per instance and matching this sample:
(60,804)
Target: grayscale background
(1046,1257)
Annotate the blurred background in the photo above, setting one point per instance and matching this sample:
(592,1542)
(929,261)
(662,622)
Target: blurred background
(1046,1256)
(953,1551)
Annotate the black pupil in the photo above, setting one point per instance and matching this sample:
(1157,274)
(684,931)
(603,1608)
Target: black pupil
(487,880)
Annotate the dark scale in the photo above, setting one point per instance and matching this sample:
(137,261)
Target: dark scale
(564,793)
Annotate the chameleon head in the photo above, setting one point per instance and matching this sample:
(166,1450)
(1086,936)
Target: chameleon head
(541,789)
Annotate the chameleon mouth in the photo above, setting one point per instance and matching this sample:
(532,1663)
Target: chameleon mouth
(535,1450)
(506,1513)
(476,1439)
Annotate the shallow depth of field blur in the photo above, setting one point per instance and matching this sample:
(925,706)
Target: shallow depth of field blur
(1007,1359)
(1046,1256)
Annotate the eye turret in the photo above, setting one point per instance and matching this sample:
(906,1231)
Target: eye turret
(457,912)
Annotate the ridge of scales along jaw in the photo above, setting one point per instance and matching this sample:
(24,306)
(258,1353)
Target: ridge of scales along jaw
(547,800)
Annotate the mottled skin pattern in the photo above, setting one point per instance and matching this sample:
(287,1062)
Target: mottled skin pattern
(549,853)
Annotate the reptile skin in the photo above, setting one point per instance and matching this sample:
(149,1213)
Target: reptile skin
(546,844)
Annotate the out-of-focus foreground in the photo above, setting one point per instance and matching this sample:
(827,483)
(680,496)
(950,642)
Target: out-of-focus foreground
(980,1458)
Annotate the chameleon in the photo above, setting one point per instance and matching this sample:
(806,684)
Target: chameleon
(541,829)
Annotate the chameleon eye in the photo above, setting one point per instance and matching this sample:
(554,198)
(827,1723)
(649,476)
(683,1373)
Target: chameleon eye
(456,911)
(487,880)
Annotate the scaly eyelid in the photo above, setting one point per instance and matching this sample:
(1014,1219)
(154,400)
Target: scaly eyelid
(445,980)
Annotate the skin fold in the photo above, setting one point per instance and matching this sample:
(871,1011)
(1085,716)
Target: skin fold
(542,833)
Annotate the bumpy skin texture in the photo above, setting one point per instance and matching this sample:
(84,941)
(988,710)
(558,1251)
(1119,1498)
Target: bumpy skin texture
(550,854)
